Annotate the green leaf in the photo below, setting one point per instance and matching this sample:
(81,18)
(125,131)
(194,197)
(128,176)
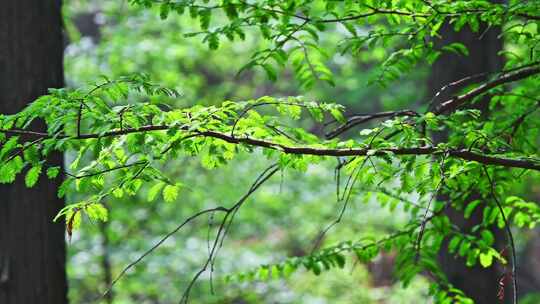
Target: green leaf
(64,187)
(473,23)
(270,72)
(452,246)
(470,208)
(31,154)
(340,260)
(487,237)
(32,176)
(316,113)
(170,193)
(486,259)
(8,171)
(457,48)
(154,191)
(464,247)
(366,132)
(118,193)
(97,211)
(338,115)
(213,41)
(316,268)
(164,10)
(52,172)
(263,273)
(8,146)
(204,18)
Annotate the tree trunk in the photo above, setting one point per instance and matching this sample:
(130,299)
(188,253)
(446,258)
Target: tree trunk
(478,283)
(32,247)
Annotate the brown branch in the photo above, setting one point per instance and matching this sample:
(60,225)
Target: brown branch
(306,150)
(455,102)
(374,11)
(455,83)
(450,105)
(363,118)
(527,16)
(22,149)
(252,106)
(137,163)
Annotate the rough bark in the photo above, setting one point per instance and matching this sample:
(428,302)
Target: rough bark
(32,247)
(478,283)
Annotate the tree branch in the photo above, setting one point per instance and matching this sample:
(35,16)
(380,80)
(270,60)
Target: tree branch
(363,118)
(307,150)
(455,102)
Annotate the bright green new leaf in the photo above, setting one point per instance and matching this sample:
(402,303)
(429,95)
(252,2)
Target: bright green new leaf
(486,259)
(154,191)
(32,176)
(170,193)
(53,172)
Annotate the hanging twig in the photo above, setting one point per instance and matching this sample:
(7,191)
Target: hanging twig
(508,234)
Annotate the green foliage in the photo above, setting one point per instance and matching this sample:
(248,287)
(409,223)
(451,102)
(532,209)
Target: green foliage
(293,29)
(125,135)
(134,140)
(170,193)
(32,176)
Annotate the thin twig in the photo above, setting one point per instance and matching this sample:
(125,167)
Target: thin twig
(225,225)
(167,236)
(350,183)
(142,162)
(425,216)
(508,234)
(363,118)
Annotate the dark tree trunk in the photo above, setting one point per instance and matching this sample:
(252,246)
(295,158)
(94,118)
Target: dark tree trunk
(478,283)
(32,247)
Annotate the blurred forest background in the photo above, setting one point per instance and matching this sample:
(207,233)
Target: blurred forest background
(115,39)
